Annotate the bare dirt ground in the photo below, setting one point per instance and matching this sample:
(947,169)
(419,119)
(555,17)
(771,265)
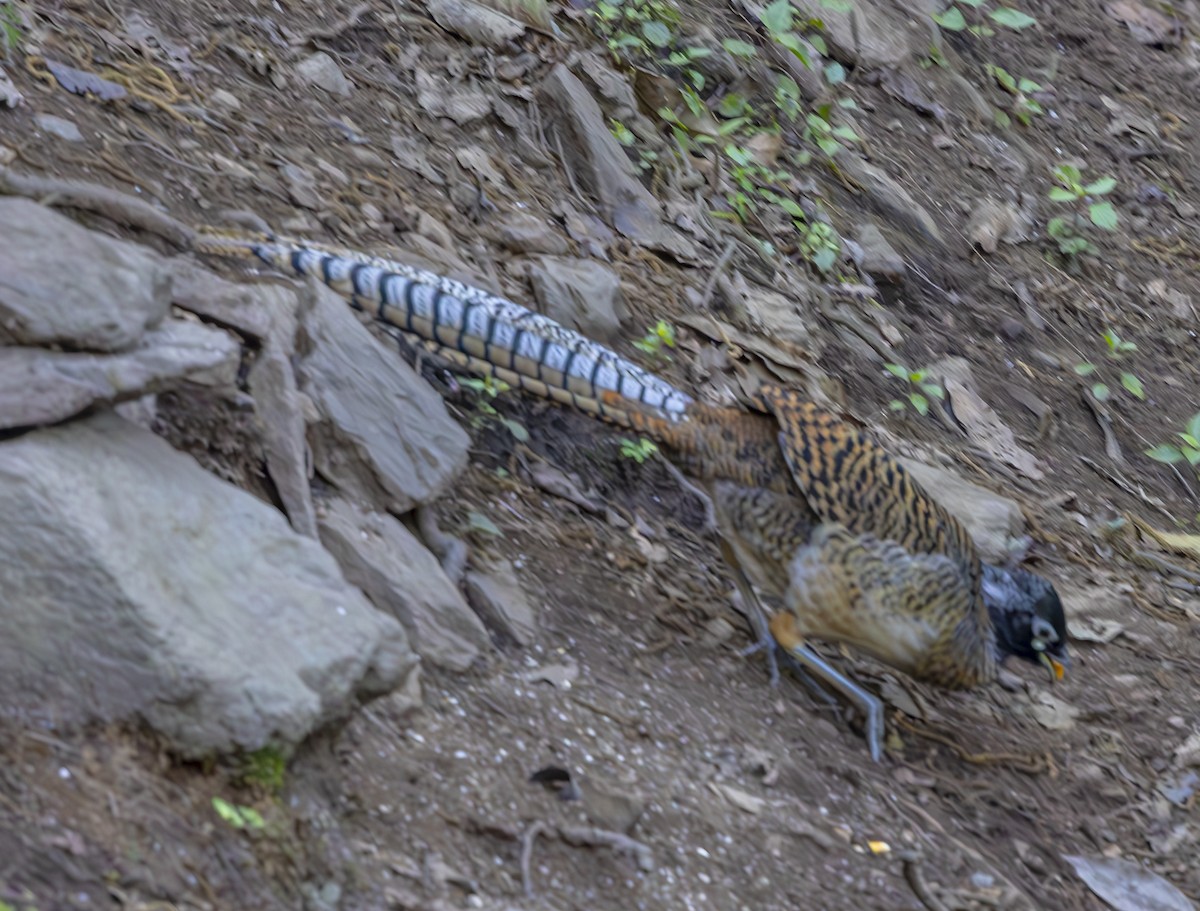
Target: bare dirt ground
(744,796)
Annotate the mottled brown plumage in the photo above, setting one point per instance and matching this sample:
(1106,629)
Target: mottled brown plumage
(841,542)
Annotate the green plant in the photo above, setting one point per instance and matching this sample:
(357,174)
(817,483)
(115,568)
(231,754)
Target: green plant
(1188,451)
(238,816)
(639,450)
(953,18)
(661,336)
(1101,213)
(10,28)
(647,158)
(1022,106)
(919,389)
(820,131)
(265,767)
(1117,349)
(486,390)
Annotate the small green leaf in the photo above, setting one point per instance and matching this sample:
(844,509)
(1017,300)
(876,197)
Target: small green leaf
(1085,369)
(517,429)
(1028,86)
(477,521)
(777,16)
(974,4)
(897,370)
(1193,425)
(739,48)
(952,19)
(829,146)
(838,6)
(1103,215)
(824,259)
(1100,391)
(920,403)
(1192,455)
(1101,186)
(1190,440)
(1061,194)
(933,390)
(846,133)
(897,405)
(791,207)
(1011,18)
(253,818)
(916,376)
(1164,452)
(835,73)
(656,33)
(229,813)
(1133,385)
(1003,77)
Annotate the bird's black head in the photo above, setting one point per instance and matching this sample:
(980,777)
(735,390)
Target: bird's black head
(1028,617)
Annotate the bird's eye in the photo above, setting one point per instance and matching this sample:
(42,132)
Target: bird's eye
(1043,632)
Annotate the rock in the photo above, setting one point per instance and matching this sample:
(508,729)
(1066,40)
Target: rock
(612,805)
(892,198)
(441,98)
(61,284)
(879,258)
(582,294)
(401,577)
(322,71)
(224,101)
(477,24)
(982,424)
(39,386)
(59,128)
(995,523)
(384,435)
(782,317)
(140,586)
(993,221)
(496,594)
(599,162)
(522,232)
(874,35)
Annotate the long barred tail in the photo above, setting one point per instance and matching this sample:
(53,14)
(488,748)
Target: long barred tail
(480,332)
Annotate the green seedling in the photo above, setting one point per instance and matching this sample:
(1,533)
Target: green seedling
(1188,450)
(639,450)
(1023,106)
(920,389)
(1117,349)
(238,816)
(954,19)
(658,338)
(486,390)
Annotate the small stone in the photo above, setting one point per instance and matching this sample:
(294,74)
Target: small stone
(522,232)
(225,101)
(495,593)
(879,258)
(1012,328)
(580,293)
(322,71)
(59,128)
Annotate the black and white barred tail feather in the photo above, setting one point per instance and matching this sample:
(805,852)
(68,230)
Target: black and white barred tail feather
(477,331)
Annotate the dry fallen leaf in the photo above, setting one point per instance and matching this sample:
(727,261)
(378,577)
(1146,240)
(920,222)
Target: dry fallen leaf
(1126,886)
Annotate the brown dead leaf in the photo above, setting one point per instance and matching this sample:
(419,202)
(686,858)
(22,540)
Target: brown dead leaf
(1145,24)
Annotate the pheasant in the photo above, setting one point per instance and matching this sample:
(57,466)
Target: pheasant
(840,542)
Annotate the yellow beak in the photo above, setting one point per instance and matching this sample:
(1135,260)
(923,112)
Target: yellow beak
(1056,668)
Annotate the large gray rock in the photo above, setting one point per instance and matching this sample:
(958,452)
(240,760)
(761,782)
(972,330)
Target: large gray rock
(385,436)
(137,585)
(39,386)
(579,293)
(63,284)
(398,574)
(995,523)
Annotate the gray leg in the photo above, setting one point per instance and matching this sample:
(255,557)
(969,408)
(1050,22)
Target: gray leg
(870,704)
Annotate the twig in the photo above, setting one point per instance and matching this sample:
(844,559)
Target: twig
(451,552)
(330,32)
(1112,448)
(588,836)
(722,262)
(77,194)
(1127,487)
(916,881)
(528,837)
